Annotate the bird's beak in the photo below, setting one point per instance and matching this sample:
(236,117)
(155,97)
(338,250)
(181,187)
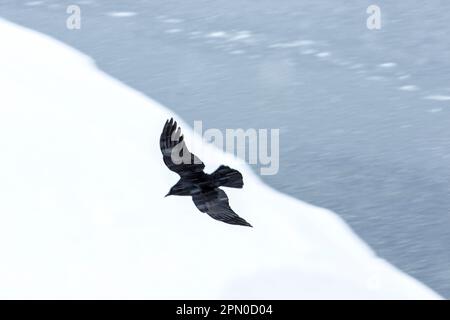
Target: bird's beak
(167,195)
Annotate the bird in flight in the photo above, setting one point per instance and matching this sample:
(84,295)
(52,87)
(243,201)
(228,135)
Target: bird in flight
(202,187)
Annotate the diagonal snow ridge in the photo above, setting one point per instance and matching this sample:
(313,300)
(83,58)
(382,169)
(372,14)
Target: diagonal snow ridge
(83,213)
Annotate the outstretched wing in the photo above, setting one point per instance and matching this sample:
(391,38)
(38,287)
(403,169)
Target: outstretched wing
(215,204)
(176,155)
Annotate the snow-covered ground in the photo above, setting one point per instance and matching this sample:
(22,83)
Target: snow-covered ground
(83,213)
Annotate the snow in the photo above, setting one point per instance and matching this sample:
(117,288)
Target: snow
(83,213)
(174,30)
(438,97)
(217,34)
(34,3)
(293,44)
(121,14)
(323,54)
(409,87)
(388,65)
(172,20)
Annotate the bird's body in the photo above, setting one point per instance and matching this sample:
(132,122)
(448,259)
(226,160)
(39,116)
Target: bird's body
(202,187)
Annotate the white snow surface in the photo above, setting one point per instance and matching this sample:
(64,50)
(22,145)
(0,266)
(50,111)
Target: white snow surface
(83,213)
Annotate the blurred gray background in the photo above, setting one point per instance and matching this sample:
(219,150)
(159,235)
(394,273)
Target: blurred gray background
(364,115)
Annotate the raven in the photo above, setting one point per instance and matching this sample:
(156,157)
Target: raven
(203,187)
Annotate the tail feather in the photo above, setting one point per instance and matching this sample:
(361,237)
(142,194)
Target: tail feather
(226,177)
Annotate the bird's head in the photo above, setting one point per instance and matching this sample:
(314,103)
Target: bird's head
(176,190)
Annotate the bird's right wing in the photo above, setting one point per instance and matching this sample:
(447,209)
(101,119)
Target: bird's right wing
(176,155)
(215,204)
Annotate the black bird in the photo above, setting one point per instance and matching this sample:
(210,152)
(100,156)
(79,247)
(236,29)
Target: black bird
(203,187)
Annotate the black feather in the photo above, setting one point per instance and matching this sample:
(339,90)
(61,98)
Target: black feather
(203,187)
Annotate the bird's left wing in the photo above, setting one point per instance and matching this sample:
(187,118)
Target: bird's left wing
(176,155)
(215,204)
